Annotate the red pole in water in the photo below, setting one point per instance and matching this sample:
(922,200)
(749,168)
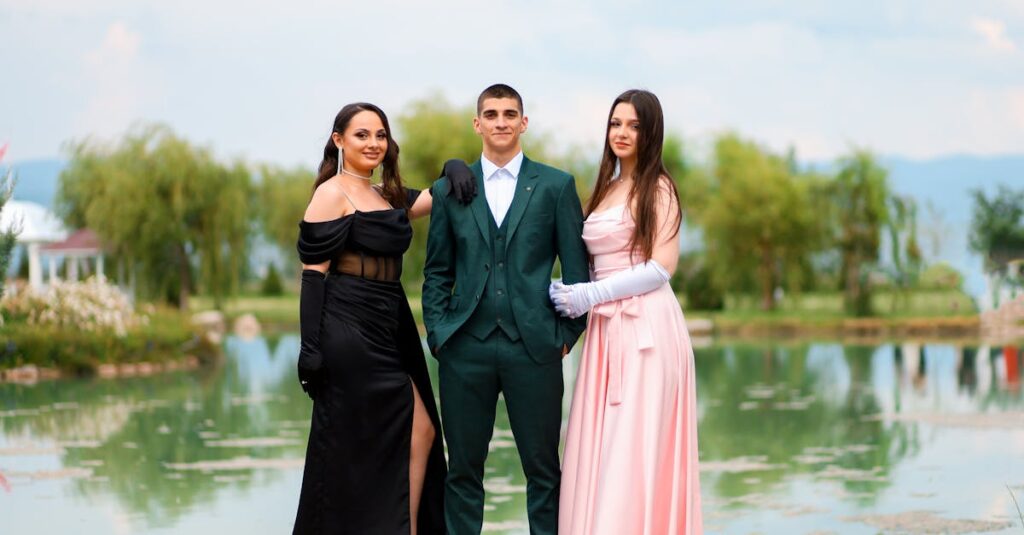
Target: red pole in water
(1012,364)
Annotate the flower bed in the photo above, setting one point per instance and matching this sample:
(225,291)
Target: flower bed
(79,327)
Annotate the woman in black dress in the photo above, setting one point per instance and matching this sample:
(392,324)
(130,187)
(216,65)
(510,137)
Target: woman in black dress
(375,461)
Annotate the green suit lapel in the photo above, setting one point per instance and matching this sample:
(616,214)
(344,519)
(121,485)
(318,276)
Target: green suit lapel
(478,205)
(526,184)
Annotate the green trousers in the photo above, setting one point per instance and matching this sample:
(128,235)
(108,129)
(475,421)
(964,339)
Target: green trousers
(472,373)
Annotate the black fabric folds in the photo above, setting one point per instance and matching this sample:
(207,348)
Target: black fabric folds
(356,476)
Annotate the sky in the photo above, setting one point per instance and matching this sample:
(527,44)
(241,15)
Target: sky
(263,80)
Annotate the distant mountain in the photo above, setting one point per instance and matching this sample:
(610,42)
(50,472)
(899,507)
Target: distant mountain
(36,180)
(942,188)
(947,181)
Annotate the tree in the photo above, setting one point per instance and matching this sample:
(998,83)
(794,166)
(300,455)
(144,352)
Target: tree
(168,210)
(860,195)
(282,196)
(997,227)
(904,247)
(997,231)
(430,131)
(758,221)
(7,235)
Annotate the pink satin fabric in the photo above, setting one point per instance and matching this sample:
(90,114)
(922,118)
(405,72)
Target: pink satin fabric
(630,462)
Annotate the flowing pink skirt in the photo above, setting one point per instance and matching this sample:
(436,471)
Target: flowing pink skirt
(630,464)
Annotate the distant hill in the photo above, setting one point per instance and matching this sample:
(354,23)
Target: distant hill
(941,187)
(37,180)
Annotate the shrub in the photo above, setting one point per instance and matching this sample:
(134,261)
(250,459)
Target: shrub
(693,279)
(91,306)
(941,276)
(272,285)
(81,352)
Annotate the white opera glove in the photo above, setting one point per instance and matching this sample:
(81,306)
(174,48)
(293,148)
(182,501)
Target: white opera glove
(575,300)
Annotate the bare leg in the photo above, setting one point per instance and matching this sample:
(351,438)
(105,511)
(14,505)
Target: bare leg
(423,433)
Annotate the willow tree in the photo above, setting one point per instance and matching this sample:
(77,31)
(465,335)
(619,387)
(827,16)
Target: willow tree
(430,131)
(904,247)
(860,193)
(282,195)
(170,212)
(758,221)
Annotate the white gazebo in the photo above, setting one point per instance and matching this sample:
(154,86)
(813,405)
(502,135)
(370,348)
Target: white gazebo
(37,226)
(80,247)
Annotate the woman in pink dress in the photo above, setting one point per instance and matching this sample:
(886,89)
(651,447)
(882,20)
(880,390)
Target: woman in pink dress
(630,463)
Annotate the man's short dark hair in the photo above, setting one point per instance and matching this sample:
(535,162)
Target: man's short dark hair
(498,91)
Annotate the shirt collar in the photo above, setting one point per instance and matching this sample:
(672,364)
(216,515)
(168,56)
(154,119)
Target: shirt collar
(513,166)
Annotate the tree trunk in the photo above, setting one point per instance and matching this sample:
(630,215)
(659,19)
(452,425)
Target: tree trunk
(766,274)
(185,279)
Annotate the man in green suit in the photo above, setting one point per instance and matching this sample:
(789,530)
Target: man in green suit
(490,322)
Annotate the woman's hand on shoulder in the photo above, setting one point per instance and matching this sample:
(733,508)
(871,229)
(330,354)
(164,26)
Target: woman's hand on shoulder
(328,203)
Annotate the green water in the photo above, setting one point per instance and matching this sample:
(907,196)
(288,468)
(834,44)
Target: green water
(811,438)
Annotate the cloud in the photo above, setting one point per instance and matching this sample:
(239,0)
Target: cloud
(820,76)
(994,32)
(119,44)
(117,82)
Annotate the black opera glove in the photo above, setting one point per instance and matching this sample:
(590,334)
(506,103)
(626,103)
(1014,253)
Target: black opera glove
(462,182)
(311,304)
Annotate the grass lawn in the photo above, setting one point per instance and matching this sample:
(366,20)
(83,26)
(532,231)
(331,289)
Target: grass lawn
(826,306)
(812,310)
(282,309)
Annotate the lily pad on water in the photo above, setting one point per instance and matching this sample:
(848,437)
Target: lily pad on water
(507,525)
(239,463)
(739,464)
(1004,420)
(926,522)
(254,442)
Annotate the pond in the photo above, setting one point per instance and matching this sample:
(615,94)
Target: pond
(794,438)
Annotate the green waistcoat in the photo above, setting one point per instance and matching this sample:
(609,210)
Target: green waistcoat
(477,273)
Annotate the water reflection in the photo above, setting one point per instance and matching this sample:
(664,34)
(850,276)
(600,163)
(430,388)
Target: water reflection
(791,437)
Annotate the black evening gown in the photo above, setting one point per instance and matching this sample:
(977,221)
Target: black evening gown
(356,477)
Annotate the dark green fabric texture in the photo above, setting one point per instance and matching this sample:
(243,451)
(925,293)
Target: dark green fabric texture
(471,373)
(495,308)
(544,222)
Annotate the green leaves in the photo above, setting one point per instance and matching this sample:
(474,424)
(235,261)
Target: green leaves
(997,227)
(860,193)
(759,224)
(166,208)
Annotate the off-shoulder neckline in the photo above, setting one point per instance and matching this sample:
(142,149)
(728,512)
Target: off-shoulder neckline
(335,220)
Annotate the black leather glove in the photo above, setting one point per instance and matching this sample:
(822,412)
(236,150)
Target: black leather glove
(461,180)
(311,304)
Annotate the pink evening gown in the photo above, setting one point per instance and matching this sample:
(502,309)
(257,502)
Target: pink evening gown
(630,463)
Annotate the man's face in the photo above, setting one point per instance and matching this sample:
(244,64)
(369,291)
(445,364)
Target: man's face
(500,124)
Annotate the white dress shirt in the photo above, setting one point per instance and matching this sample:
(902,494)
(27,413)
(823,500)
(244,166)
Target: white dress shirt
(500,184)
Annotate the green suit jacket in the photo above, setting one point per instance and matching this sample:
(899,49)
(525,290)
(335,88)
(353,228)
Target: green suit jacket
(544,221)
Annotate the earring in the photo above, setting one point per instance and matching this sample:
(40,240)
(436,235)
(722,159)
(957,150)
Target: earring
(341,156)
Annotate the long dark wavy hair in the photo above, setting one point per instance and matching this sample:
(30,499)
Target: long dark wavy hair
(391,180)
(647,174)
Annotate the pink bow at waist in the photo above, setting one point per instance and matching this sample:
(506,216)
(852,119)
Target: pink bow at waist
(626,333)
